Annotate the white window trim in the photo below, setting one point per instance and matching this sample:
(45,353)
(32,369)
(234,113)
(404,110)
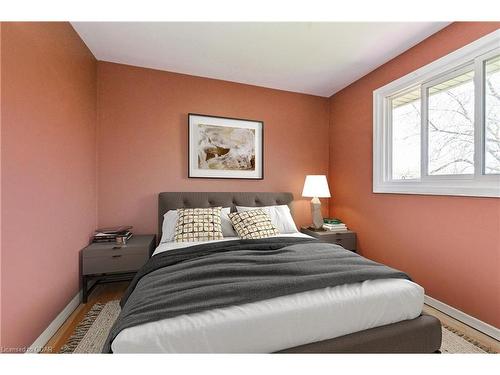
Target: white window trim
(468,185)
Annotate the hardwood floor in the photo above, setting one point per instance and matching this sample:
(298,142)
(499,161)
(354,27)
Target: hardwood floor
(102,293)
(108,292)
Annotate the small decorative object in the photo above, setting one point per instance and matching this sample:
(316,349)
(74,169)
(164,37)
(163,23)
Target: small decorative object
(121,240)
(222,147)
(316,186)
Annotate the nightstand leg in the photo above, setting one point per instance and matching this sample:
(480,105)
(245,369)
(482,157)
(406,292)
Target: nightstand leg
(84,287)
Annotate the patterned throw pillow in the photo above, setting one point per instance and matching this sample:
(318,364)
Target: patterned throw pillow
(253,224)
(198,224)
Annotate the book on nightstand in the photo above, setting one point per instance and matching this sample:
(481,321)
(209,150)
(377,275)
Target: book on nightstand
(334,225)
(111,234)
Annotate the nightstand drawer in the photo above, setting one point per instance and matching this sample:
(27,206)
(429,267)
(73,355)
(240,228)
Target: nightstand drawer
(109,249)
(346,239)
(120,261)
(336,235)
(348,243)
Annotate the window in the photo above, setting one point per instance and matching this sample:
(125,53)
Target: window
(437,130)
(406,135)
(492,116)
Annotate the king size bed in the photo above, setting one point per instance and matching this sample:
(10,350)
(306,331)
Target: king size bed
(288,293)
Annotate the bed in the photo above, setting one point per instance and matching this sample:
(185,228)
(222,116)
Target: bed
(378,315)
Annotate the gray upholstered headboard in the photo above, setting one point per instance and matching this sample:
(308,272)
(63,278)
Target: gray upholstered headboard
(174,200)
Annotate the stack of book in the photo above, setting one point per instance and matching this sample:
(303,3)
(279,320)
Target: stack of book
(111,234)
(334,225)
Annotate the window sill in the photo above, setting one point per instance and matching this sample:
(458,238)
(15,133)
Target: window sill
(491,190)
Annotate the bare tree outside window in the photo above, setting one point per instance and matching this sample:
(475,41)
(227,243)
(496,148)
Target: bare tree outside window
(406,136)
(492,116)
(450,127)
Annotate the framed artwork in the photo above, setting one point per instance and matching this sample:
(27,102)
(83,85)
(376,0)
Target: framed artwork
(223,147)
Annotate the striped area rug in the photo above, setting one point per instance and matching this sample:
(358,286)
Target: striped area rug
(92,331)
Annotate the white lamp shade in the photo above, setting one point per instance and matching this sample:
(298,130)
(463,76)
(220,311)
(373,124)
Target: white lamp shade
(316,186)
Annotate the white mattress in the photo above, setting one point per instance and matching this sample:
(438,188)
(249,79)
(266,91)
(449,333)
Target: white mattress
(277,323)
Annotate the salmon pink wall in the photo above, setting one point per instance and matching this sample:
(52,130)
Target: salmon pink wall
(142,139)
(449,245)
(48,161)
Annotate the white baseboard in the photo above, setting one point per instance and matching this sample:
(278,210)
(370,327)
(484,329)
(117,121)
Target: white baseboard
(475,323)
(40,342)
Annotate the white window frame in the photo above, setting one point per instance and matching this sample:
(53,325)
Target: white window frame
(478,184)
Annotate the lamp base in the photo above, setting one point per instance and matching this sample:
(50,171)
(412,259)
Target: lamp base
(317,218)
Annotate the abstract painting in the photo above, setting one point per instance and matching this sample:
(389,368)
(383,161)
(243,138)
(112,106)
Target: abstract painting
(221,147)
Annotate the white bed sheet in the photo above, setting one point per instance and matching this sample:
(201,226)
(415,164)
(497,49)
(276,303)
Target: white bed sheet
(166,246)
(278,323)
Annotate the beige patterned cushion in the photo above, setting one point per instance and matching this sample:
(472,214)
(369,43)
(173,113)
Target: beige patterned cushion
(253,224)
(198,224)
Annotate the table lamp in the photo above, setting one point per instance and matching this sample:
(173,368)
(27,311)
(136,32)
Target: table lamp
(316,186)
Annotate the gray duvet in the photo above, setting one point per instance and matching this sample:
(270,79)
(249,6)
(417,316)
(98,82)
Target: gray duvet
(221,274)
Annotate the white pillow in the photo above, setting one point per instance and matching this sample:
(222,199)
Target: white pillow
(280,216)
(170,219)
(168,226)
(225,221)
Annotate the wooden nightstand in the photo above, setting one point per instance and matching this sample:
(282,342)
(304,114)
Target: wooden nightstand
(108,262)
(346,239)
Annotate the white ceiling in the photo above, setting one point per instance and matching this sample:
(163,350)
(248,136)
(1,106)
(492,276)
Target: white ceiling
(312,58)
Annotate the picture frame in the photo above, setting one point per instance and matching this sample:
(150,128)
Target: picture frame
(225,147)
